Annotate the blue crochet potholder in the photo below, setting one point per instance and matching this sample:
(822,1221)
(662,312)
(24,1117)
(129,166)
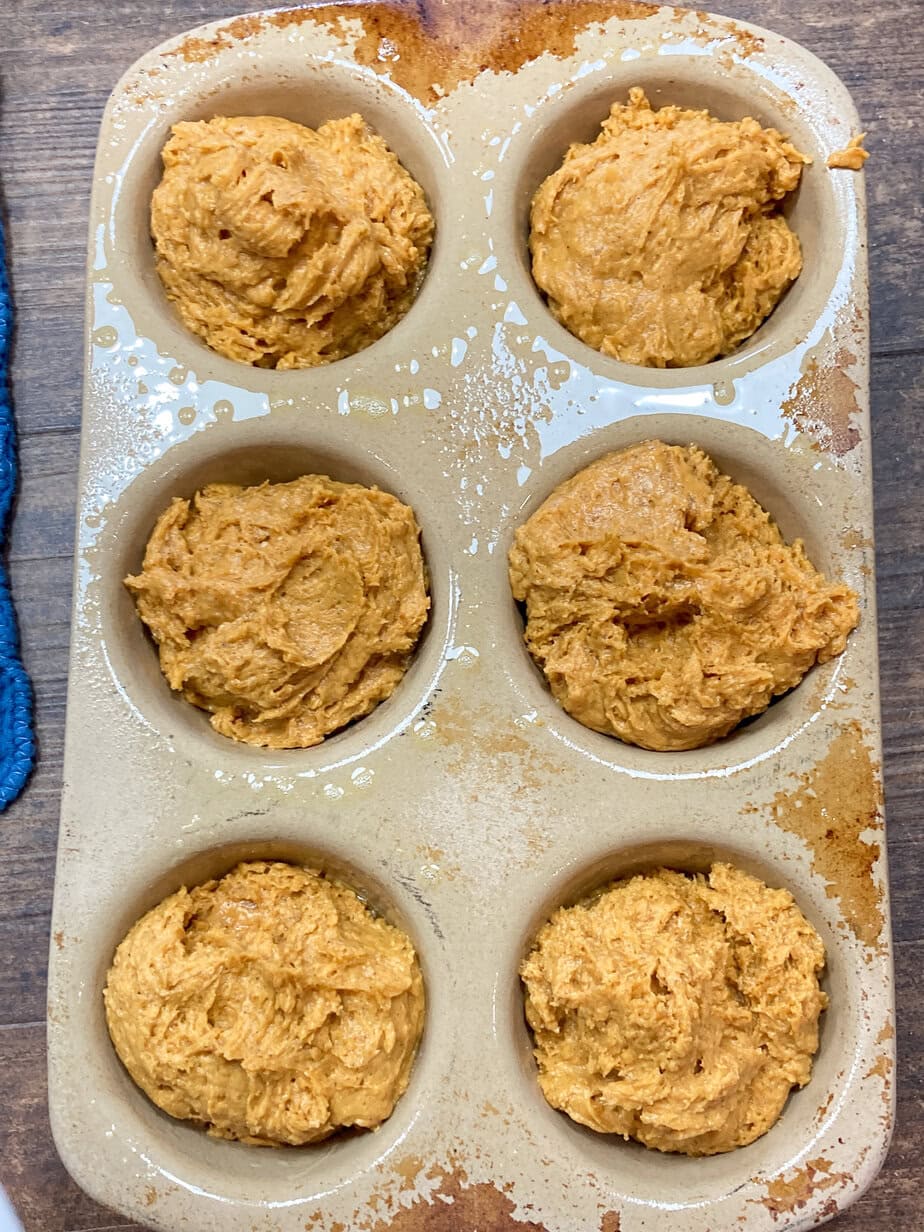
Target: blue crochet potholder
(17,745)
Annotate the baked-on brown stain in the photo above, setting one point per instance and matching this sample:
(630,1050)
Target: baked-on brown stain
(835,803)
(822,1111)
(478,734)
(853,539)
(714,27)
(784,1197)
(823,402)
(881,1068)
(430,50)
(408,1169)
(455,1205)
(749,44)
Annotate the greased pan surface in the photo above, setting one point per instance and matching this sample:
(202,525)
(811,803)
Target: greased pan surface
(469,805)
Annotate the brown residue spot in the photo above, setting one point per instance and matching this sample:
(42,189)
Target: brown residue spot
(197,50)
(852,539)
(610,1222)
(431,48)
(436,867)
(713,28)
(836,802)
(479,734)
(838,700)
(150,1196)
(537,838)
(456,1169)
(743,42)
(822,1111)
(455,1205)
(749,44)
(881,1068)
(887,1033)
(822,403)
(59,938)
(409,1169)
(784,1197)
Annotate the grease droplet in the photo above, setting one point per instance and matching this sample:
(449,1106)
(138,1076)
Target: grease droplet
(724,392)
(105,336)
(559,373)
(178,375)
(223,409)
(368,405)
(186,414)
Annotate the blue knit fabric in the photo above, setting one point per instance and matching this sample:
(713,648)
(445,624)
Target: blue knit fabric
(17,745)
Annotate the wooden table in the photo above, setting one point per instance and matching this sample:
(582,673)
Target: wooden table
(58,64)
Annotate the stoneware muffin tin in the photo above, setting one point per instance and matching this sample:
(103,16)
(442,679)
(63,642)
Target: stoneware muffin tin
(469,805)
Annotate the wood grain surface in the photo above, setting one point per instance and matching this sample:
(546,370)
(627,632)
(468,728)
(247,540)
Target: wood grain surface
(58,62)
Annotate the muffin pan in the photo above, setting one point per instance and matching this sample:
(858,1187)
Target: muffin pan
(469,805)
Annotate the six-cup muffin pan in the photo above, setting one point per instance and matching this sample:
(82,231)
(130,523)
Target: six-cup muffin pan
(469,805)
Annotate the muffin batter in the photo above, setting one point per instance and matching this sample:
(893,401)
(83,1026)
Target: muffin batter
(285,247)
(288,609)
(270,1006)
(852,157)
(662,602)
(662,243)
(676,1010)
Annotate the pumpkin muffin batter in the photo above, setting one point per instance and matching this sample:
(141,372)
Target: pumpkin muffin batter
(852,157)
(288,609)
(269,1005)
(676,1010)
(662,242)
(662,602)
(286,247)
